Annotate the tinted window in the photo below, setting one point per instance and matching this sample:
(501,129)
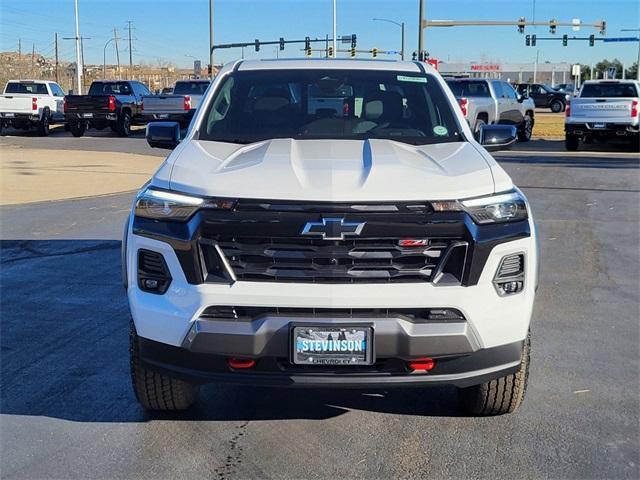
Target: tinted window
(341,104)
(27,87)
(190,88)
(508,91)
(462,88)
(56,90)
(522,89)
(110,88)
(612,90)
(497,88)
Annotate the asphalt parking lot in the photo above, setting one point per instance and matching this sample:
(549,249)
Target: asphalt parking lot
(68,411)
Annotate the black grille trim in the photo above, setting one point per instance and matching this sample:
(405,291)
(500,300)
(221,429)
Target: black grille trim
(341,261)
(414,315)
(152,266)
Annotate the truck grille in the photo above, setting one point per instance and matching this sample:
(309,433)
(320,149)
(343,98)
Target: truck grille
(341,261)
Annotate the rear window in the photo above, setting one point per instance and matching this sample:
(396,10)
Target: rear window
(190,88)
(608,90)
(469,89)
(111,88)
(27,87)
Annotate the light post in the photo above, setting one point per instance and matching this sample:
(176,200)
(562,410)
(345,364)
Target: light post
(637,64)
(104,58)
(401,25)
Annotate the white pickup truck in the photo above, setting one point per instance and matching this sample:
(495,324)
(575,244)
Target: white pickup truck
(604,109)
(368,243)
(180,106)
(31,103)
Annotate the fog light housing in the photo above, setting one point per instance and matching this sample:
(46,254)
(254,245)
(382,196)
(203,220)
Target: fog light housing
(509,278)
(153,273)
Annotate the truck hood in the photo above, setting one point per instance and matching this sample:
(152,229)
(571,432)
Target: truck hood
(337,170)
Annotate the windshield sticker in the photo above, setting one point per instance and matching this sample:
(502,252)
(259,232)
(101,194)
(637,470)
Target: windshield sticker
(440,130)
(403,78)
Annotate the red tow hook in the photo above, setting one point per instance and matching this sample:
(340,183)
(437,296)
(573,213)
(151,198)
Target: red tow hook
(240,363)
(426,364)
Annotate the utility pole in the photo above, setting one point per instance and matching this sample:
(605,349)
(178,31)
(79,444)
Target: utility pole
(535,66)
(33,54)
(335,41)
(211,37)
(79,65)
(130,51)
(115,38)
(420,30)
(82,56)
(57,81)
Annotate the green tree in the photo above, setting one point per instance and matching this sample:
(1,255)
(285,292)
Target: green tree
(602,67)
(632,71)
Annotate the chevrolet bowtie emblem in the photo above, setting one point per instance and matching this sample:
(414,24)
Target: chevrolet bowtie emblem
(332,228)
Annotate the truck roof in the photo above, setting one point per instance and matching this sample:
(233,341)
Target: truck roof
(333,64)
(610,81)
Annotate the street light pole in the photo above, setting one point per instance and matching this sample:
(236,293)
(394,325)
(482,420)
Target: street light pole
(335,41)
(637,64)
(401,25)
(104,58)
(211,36)
(79,65)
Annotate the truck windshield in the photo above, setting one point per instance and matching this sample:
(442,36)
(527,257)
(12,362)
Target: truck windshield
(26,87)
(190,88)
(461,88)
(109,88)
(338,104)
(608,90)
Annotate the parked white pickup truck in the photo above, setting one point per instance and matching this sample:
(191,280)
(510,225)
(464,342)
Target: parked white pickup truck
(180,106)
(31,103)
(604,109)
(486,102)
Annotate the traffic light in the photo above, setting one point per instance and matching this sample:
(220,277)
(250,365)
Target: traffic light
(330,52)
(565,40)
(353,41)
(592,40)
(353,51)
(281,43)
(603,27)
(257,45)
(533,40)
(521,25)
(552,26)
(374,52)
(209,69)
(527,40)
(307,46)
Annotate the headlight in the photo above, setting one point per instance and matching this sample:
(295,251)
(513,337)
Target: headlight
(166,205)
(503,207)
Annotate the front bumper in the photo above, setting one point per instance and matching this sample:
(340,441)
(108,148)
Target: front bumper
(459,370)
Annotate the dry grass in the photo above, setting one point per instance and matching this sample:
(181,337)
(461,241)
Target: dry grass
(548,125)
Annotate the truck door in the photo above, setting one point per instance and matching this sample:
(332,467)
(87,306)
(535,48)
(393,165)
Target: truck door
(511,97)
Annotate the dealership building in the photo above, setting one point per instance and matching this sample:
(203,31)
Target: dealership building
(550,73)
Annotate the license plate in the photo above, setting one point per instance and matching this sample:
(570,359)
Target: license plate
(163,115)
(332,345)
(599,125)
(87,115)
(9,115)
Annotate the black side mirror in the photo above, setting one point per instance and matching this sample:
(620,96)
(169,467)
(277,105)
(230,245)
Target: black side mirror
(497,137)
(521,98)
(163,134)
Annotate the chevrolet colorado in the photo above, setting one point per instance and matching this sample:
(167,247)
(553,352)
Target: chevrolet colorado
(330,223)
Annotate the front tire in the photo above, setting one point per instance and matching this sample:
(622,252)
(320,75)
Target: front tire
(526,130)
(571,142)
(556,106)
(154,390)
(502,395)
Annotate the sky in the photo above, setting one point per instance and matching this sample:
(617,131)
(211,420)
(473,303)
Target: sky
(176,31)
